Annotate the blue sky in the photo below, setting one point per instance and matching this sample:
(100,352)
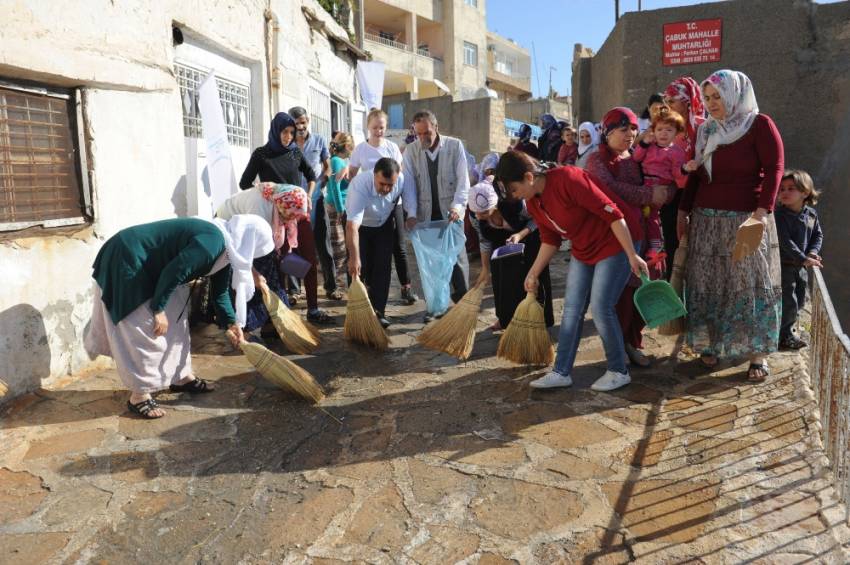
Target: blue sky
(556,25)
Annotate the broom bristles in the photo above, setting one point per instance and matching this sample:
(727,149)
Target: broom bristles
(361,324)
(296,335)
(283,372)
(677,277)
(454,333)
(526,340)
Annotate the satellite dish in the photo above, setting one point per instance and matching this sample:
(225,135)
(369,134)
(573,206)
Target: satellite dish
(442,86)
(485,92)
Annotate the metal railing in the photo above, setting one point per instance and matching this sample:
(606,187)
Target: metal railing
(829,362)
(388,42)
(421,51)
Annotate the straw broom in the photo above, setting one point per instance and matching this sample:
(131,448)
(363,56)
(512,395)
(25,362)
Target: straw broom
(526,340)
(361,324)
(677,326)
(282,372)
(297,335)
(454,333)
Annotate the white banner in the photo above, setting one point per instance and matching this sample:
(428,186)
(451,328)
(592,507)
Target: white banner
(222,181)
(370,77)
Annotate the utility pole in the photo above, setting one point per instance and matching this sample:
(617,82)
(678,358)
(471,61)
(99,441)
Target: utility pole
(639,8)
(616,11)
(551,68)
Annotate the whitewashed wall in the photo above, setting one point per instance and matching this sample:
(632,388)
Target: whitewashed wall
(120,54)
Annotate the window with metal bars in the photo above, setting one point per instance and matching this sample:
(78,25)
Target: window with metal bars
(320,113)
(40,159)
(235,104)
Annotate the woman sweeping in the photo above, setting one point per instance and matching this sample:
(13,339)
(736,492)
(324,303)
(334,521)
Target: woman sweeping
(140,316)
(567,203)
(260,201)
(500,221)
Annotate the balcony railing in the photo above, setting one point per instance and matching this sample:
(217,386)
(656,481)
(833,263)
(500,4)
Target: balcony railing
(421,51)
(388,42)
(829,363)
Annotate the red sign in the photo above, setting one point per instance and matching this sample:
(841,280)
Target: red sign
(689,43)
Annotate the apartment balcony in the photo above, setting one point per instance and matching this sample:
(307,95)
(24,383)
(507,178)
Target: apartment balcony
(512,82)
(400,57)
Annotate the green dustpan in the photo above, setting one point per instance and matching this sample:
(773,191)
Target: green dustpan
(657,302)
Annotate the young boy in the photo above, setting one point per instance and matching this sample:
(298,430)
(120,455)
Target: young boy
(800,240)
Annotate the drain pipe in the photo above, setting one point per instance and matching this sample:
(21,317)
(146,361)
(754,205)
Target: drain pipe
(273,73)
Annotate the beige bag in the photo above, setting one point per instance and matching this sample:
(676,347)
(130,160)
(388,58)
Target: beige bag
(748,239)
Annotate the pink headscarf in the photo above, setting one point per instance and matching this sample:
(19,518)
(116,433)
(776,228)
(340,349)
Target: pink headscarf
(686,89)
(295,202)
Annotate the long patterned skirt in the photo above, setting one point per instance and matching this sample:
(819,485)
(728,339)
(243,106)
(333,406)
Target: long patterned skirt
(336,233)
(733,307)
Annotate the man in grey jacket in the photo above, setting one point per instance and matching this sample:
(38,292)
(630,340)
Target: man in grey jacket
(436,185)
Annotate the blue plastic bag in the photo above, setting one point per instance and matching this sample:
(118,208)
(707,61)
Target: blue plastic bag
(437,245)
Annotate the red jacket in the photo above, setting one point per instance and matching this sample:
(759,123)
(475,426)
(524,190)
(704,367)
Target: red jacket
(573,206)
(745,175)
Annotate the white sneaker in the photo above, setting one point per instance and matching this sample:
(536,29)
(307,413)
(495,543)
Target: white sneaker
(611,380)
(551,380)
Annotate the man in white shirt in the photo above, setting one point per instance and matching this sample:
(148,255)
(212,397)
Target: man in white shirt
(369,205)
(436,186)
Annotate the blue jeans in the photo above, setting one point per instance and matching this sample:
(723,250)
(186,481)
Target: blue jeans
(603,283)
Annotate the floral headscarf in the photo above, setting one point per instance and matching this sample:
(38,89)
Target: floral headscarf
(739,100)
(686,89)
(295,201)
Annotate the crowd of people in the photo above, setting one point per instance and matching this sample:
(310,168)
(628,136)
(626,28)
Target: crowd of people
(699,162)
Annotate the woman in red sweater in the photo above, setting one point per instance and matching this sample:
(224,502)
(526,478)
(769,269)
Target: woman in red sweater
(614,168)
(566,203)
(733,307)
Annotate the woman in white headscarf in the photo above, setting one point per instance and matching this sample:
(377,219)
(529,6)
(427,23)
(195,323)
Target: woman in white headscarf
(500,222)
(140,315)
(588,142)
(733,306)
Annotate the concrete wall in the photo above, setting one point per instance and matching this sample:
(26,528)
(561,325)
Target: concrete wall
(797,54)
(529,111)
(120,56)
(480,122)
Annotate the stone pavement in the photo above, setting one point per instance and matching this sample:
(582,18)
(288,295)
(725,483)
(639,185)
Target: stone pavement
(435,462)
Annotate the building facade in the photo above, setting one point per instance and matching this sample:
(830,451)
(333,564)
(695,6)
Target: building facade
(431,48)
(100,129)
(508,68)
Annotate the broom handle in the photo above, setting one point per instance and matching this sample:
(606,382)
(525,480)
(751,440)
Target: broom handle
(482,278)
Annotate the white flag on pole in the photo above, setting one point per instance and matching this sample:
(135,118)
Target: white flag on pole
(222,180)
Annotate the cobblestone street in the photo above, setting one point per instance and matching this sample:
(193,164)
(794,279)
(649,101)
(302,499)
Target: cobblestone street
(435,462)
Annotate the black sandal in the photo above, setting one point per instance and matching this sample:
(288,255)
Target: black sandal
(196,386)
(144,408)
(761,368)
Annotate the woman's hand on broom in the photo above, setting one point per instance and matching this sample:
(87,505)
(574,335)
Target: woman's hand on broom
(234,333)
(531,283)
(160,324)
(259,280)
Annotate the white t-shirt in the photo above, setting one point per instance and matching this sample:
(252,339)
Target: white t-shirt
(365,156)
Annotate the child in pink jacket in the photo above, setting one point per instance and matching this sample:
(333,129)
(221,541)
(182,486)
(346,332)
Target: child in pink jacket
(661,162)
